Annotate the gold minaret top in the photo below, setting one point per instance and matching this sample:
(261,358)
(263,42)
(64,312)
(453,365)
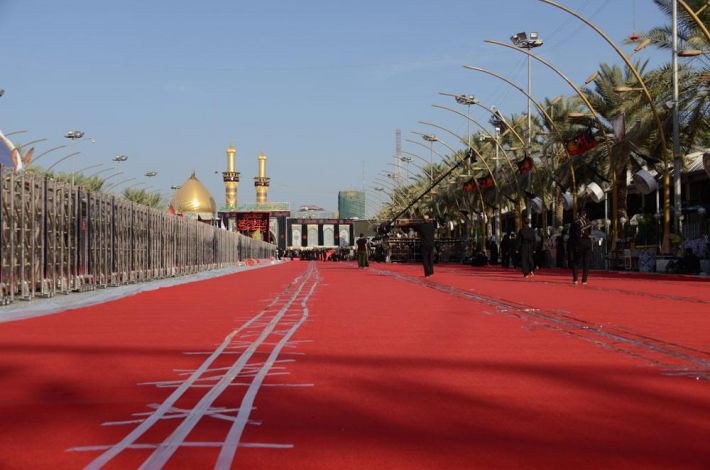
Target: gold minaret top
(231,179)
(261,182)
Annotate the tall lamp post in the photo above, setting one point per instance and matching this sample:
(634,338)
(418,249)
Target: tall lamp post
(73,136)
(522,41)
(594,113)
(676,124)
(431,138)
(468,101)
(677,157)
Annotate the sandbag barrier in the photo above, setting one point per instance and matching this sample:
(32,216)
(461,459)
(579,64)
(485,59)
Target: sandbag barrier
(60,239)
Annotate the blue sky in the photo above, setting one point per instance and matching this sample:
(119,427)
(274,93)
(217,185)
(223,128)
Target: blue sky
(318,86)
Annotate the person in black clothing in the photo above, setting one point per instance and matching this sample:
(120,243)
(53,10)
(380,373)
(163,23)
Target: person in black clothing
(362,251)
(426,230)
(426,235)
(689,264)
(580,246)
(514,250)
(526,248)
(505,251)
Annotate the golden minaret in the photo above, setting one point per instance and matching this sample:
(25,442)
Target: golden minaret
(231,179)
(261,182)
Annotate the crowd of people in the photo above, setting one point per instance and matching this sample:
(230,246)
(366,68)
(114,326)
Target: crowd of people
(318,254)
(527,249)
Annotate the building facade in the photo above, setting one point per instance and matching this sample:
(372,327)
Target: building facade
(351,205)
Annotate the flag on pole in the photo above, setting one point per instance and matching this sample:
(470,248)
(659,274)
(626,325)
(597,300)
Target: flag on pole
(582,143)
(483,183)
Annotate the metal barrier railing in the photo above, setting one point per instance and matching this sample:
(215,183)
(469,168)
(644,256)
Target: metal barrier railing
(59,238)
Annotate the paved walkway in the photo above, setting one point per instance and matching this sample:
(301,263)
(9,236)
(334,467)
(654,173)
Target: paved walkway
(323,365)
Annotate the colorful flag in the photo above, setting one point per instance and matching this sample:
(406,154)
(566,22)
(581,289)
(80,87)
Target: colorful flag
(483,183)
(525,166)
(582,143)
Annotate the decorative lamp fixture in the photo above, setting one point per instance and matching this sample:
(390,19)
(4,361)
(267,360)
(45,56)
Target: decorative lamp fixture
(596,193)
(645,182)
(466,100)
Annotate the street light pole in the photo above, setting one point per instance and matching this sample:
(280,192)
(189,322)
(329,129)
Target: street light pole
(497,214)
(431,138)
(522,41)
(73,136)
(678,204)
(591,109)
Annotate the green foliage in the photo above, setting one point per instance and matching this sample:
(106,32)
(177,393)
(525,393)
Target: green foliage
(642,146)
(144,197)
(91,183)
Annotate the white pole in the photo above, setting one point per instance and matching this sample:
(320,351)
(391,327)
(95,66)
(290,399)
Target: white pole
(676,127)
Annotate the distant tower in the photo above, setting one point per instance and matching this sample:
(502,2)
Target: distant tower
(231,179)
(261,182)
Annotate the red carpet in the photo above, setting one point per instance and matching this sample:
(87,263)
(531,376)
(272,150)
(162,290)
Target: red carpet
(375,368)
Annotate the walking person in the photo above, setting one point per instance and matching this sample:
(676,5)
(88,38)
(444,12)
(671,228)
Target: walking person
(580,246)
(526,248)
(362,251)
(426,230)
(514,250)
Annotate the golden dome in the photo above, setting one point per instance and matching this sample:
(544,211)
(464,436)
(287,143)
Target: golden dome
(193,197)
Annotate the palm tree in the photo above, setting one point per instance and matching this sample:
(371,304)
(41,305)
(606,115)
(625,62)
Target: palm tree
(91,183)
(611,104)
(551,141)
(144,197)
(689,33)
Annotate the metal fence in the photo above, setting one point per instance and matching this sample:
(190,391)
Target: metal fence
(59,238)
